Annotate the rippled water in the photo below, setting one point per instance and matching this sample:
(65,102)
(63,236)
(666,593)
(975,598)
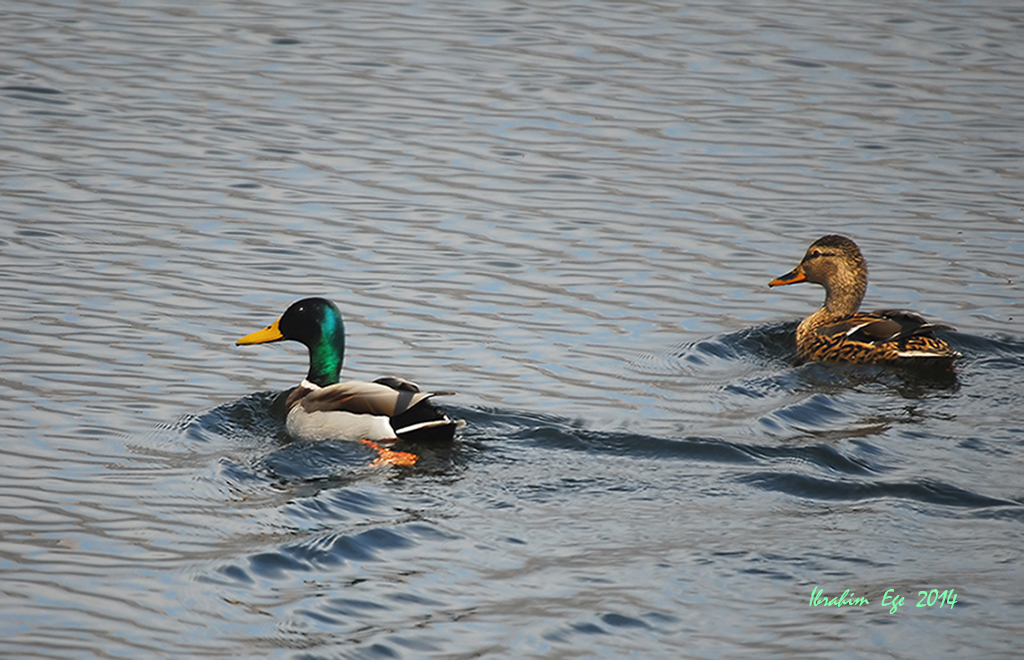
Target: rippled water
(568,213)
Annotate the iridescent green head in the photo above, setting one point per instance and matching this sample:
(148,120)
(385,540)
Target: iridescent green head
(315,322)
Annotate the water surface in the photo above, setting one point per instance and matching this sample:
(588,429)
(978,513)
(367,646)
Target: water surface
(567,213)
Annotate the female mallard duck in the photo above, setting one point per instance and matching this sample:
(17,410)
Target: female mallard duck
(321,408)
(839,333)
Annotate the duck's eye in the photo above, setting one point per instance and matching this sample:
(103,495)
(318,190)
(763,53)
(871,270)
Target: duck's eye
(814,254)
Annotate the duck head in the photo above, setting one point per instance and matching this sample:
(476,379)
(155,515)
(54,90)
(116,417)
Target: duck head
(834,262)
(316,323)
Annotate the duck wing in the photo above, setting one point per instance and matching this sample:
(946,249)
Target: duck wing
(912,324)
(882,326)
(359,397)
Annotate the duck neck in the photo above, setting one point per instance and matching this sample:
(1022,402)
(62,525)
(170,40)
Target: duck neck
(844,295)
(326,356)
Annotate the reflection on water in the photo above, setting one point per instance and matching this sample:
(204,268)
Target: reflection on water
(566,213)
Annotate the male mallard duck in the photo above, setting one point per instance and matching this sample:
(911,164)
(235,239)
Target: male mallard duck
(321,408)
(839,333)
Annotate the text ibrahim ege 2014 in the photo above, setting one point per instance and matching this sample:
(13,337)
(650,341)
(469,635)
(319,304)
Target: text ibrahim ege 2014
(889,599)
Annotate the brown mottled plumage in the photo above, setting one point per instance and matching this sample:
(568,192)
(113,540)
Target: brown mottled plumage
(839,333)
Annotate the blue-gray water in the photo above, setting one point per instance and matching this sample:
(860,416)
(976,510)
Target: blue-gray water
(569,213)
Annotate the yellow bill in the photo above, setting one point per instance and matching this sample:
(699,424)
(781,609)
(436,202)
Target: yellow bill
(269,333)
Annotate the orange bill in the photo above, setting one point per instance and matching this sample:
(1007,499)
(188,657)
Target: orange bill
(792,277)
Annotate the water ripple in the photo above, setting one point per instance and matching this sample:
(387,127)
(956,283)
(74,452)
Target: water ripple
(928,492)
